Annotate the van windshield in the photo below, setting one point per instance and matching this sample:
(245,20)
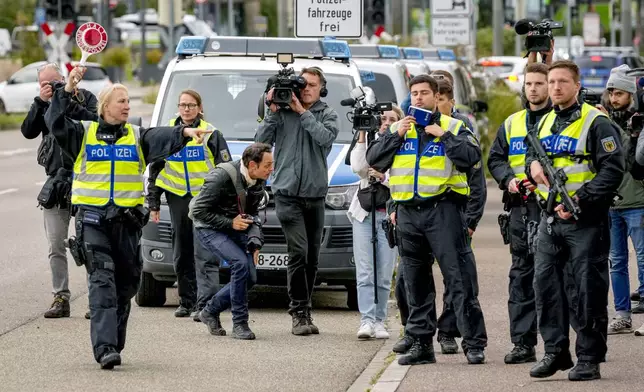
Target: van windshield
(231,99)
(382,87)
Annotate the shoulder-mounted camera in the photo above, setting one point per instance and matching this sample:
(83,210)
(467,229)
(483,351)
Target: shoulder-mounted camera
(285,83)
(366,112)
(539,34)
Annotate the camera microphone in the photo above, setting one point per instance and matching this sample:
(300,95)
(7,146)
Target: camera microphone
(348,102)
(523,26)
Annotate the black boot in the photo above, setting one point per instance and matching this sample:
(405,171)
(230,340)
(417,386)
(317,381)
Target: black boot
(420,353)
(212,322)
(182,311)
(314,329)
(635,296)
(110,359)
(59,308)
(475,356)
(195,316)
(300,324)
(584,371)
(403,345)
(242,331)
(448,343)
(521,354)
(550,364)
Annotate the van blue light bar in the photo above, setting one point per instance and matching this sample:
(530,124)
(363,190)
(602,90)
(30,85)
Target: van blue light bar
(446,55)
(389,52)
(257,46)
(191,45)
(413,53)
(430,53)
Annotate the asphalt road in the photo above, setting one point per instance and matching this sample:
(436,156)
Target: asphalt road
(163,353)
(622,371)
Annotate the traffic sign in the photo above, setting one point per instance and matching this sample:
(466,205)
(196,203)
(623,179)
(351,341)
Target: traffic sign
(451,7)
(91,38)
(322,18)
(451,31)
(58,54)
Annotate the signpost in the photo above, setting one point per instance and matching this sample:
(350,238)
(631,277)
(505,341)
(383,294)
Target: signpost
(451,22)
(343,19)
(58,54)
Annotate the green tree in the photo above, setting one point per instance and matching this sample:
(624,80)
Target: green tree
(11,11)
(269,10)
(485,39)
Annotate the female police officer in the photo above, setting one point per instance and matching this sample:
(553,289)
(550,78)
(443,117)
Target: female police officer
(181,177)
(107,194)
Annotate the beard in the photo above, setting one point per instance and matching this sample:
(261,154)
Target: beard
(538,101)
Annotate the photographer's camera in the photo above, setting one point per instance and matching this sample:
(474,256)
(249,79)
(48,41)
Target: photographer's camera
(285,83)
(540,34)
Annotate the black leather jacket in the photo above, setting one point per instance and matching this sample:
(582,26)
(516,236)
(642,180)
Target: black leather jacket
(217,204)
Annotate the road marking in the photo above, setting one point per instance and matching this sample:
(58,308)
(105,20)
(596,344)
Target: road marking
(10,190)
(9,153)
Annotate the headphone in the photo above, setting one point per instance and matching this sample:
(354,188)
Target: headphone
(323,91)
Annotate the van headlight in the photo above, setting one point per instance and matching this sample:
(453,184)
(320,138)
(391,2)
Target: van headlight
(339,197)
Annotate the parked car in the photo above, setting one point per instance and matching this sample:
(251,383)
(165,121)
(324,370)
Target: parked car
(18,92)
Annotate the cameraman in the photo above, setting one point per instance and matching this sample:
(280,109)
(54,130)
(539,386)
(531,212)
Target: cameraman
(54,196)
(627,214)
(224,216)
(303,137)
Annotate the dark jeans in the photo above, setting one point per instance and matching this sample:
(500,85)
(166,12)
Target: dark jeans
(207,272)
(584,249)
(183,249)
(231,247)
(302,220)
(114,269)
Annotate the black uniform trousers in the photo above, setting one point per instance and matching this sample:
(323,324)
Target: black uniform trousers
(439,228)
(183,249)
(584,247)
(114,268)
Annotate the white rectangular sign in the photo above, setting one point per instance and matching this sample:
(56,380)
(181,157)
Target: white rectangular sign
(451,31)
(591,29)
(451,7)
(321,18)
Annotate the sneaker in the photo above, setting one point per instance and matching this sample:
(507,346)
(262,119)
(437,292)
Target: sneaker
(212,322)
(109,360)
(639,308)
(182,311)
(88,315)
(380,330)
(635,296)
(640,331)
(242,331)
(300,324)
(314,329)
(620,325)
(59,308)
(195,316)
(366,330)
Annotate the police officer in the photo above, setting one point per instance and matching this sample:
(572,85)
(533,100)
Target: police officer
(107,195)
(181,177)
(582,142)
(430,219)
(506,163)
(54,196)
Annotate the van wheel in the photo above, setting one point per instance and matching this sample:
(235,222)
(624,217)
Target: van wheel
(352,297)
(151,291)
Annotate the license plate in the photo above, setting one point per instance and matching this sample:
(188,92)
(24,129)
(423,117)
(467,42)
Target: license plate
(594,81)
(272,261)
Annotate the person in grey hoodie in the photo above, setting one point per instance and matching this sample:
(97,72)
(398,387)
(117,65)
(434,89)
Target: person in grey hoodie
(627,215)
(303,137)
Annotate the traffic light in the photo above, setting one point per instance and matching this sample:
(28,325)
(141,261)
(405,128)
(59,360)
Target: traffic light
(67,9)
(374,14)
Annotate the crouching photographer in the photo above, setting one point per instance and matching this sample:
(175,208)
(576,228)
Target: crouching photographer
(226,223)
(627,213)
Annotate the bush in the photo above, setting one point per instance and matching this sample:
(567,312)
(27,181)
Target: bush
(31,50)
(11,121)
(153,56)
(151,96)
(115,57)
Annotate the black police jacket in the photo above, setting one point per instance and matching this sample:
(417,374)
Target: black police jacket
(217,203)
(82,106)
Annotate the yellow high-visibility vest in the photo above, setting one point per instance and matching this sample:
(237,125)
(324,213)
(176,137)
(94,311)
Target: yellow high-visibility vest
(516,129)
(185,171)
(109,172)
(568,149)
(426,173)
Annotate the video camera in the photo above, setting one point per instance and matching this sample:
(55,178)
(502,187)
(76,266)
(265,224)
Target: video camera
(539,34)
(635,123)
(590,97)
(285,83)
(366,115)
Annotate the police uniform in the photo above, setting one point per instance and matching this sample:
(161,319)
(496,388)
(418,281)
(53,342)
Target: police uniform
(506,161)
(181,178)
(585,144)
(429,186)
(107,196)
